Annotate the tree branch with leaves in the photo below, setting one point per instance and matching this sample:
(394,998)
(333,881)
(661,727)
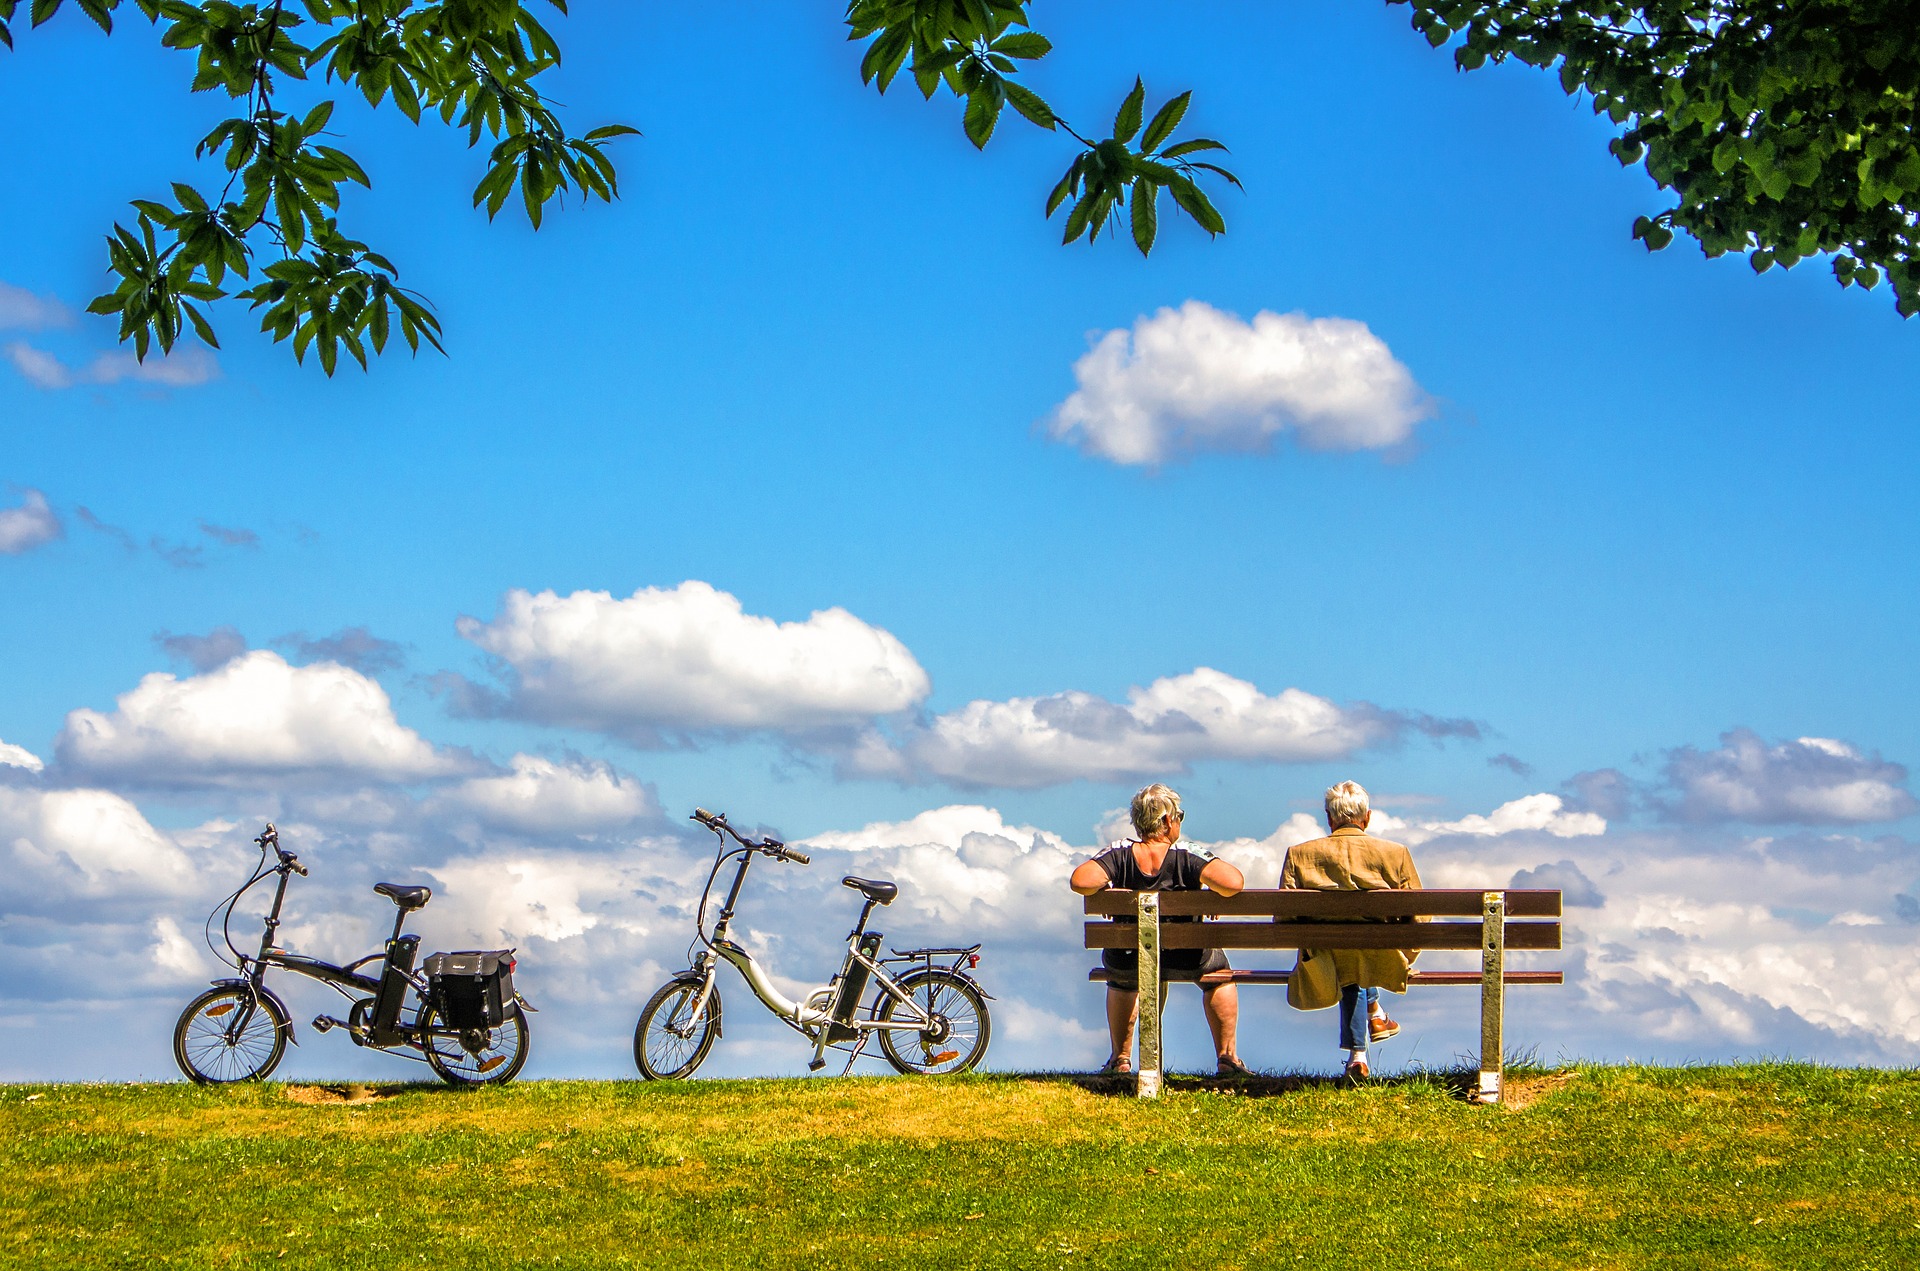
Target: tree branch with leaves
(973,48)
(1783,128)
(472,62)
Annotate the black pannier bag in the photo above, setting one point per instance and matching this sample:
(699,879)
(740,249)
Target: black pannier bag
(473,989)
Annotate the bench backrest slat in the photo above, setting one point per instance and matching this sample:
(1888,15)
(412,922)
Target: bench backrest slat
(1294,903)
(1322,935)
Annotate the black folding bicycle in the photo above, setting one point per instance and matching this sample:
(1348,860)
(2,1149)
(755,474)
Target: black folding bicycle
(459,1014)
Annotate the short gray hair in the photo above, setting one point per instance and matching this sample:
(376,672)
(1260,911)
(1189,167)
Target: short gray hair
(1346,804)
(1152,806)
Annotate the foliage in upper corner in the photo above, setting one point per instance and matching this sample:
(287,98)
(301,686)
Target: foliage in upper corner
(473,62)
(972,49)
(1784,128)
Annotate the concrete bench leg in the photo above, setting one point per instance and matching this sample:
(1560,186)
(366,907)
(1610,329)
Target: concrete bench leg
(1493,957)
(1147,1084)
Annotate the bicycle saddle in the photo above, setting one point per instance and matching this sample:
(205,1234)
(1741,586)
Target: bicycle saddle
(879,893)
(405,897)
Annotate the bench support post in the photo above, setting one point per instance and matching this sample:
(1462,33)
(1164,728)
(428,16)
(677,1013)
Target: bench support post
(1493,957)
(1147,1085)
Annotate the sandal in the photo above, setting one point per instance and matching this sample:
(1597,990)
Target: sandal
(1116,1065)
(1230,1066)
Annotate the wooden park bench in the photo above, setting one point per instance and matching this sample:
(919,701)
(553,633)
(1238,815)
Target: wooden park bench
(1293,919)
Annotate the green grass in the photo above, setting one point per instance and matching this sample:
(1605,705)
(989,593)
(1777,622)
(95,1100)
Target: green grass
(1776,1165)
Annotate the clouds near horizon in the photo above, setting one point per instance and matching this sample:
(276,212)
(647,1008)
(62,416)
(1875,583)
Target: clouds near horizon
(1805,781)
(1163,728)
(1198,379)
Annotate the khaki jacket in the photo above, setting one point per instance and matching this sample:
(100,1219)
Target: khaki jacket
(1349,859)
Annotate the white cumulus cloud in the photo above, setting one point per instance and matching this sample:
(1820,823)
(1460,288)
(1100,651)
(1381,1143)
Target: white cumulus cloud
(1194,378)
(252,718)
(26,527)
(688,659)
(83,844)
(1808,781)
(540,796)
(1546,813)
(1162,728)
(12,756)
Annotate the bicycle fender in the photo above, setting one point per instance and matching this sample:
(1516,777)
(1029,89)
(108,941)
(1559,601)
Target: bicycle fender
(923,973)
(693,977)
(265,992)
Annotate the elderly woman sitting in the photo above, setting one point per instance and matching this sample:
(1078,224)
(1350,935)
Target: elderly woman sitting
(1155,862)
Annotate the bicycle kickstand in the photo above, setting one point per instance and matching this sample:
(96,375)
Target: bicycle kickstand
(858,1046)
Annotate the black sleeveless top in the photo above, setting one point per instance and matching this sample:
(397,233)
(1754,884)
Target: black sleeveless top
(1179,871)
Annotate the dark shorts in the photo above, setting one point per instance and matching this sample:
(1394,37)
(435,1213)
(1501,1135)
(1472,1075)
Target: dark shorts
(1123,965)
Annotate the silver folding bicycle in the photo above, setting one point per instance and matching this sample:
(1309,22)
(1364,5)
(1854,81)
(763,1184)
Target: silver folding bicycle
(927,1013)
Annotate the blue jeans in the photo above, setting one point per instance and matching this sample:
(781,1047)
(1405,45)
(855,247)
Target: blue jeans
(1356,1004)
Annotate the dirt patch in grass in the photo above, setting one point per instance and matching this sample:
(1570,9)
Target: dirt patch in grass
(319,1096)
(1528,1090)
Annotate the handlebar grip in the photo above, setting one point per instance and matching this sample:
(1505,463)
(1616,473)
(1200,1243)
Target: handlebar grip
(705,817)
(293,862)
(798,858)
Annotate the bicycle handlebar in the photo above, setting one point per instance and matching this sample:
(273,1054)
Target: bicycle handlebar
(292,862)
(717,822)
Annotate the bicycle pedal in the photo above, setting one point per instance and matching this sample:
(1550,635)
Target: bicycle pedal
(326,1023)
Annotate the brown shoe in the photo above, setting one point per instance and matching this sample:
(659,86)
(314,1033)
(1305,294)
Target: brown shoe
(1356,1070)
(1379,1028)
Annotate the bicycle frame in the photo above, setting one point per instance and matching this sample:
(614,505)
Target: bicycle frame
(829,1015)
(387,992)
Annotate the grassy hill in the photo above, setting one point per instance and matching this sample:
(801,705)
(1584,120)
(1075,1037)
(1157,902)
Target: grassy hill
(1592,1167)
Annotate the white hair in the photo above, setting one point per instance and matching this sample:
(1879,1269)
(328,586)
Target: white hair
(1347,803)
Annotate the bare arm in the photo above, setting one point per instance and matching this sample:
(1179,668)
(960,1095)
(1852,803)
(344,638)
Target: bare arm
(1225,879)
(1087,878)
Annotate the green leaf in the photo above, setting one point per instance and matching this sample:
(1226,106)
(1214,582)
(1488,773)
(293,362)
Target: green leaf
(1027,45)
(1028,103)
(1146,220)
(1194,146)
(201,326)
(1165,120)
(1127,121)
(983,112)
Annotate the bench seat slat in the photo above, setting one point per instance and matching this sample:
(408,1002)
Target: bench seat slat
(1270,902)
(1322,935)
(1458,979)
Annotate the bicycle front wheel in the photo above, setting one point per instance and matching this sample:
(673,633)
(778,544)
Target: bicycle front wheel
(956,1039)
(495,1064)
(230,1033)
(668,1042)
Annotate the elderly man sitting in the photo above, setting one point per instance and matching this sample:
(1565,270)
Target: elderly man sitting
(1350,859)
(1155,862)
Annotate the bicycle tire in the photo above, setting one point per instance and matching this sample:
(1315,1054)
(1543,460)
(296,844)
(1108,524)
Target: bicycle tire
(210,1054)
(499,1063)
(963,1027)
(662,1054)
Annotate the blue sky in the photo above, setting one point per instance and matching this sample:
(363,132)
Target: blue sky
(809,360)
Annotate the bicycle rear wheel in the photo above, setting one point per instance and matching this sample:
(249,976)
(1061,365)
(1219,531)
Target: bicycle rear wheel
(230,1033)
(957,1039)
(495,1065)
(668,1042)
